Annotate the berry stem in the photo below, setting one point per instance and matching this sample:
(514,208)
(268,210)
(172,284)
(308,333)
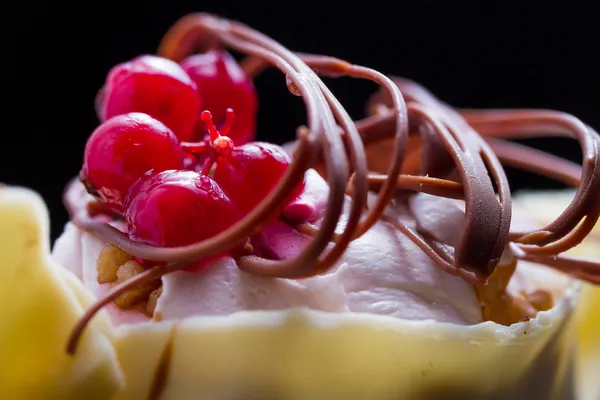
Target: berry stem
(229,120)
(222,144)
(219,143)
(206,117)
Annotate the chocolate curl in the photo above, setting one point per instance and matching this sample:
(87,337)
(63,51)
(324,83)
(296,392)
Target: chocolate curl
(467,145)
(495,126)
(443,132)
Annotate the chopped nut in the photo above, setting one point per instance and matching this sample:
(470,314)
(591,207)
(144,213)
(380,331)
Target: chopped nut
(137,294)
(109,261)
(157,316)
(152,300)
(94,207)
(541,300)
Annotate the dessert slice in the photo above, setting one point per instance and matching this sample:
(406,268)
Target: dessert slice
(257,349)
(232,269)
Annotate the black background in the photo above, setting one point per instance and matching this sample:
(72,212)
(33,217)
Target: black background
(55,56)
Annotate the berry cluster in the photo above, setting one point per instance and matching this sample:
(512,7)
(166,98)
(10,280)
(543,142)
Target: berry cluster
(162,163)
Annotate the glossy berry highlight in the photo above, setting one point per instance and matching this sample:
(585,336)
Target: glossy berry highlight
(251,172)
(222,84)
(177,208)
(155,86)
(124,148)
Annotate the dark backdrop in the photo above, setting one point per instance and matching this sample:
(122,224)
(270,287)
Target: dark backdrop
(55,56)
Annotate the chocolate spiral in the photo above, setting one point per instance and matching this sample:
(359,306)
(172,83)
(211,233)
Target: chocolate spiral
(436,150)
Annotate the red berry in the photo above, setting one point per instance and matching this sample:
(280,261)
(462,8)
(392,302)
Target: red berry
(121,150)
(222,84)
(251,171)
(156,86)
(177,208)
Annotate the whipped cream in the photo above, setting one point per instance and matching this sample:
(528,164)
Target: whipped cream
(382,272)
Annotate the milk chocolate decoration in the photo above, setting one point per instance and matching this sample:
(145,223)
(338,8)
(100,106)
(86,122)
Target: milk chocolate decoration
(429,139)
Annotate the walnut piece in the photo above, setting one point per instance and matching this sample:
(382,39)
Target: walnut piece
(108,263)
(152,300)
(541,300)
(137,294)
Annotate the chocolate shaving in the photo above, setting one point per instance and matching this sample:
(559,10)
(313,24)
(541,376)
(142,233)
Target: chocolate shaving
(451,153)
(423,184)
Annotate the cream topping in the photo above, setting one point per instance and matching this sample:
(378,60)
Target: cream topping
(382,273)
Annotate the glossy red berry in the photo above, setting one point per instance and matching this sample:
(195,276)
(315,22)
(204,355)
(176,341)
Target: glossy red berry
(121,150)
(222,84)
(177,208)
(251,171)
(156,86)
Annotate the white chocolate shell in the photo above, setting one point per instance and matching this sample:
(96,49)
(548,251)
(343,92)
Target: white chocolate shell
(295,354)
(588,313)
(305,354)
(40,303)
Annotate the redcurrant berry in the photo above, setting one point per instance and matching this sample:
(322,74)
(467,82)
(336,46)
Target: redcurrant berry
(121,150)
(223,84)
(177,208)
(251,171)
(156,86)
